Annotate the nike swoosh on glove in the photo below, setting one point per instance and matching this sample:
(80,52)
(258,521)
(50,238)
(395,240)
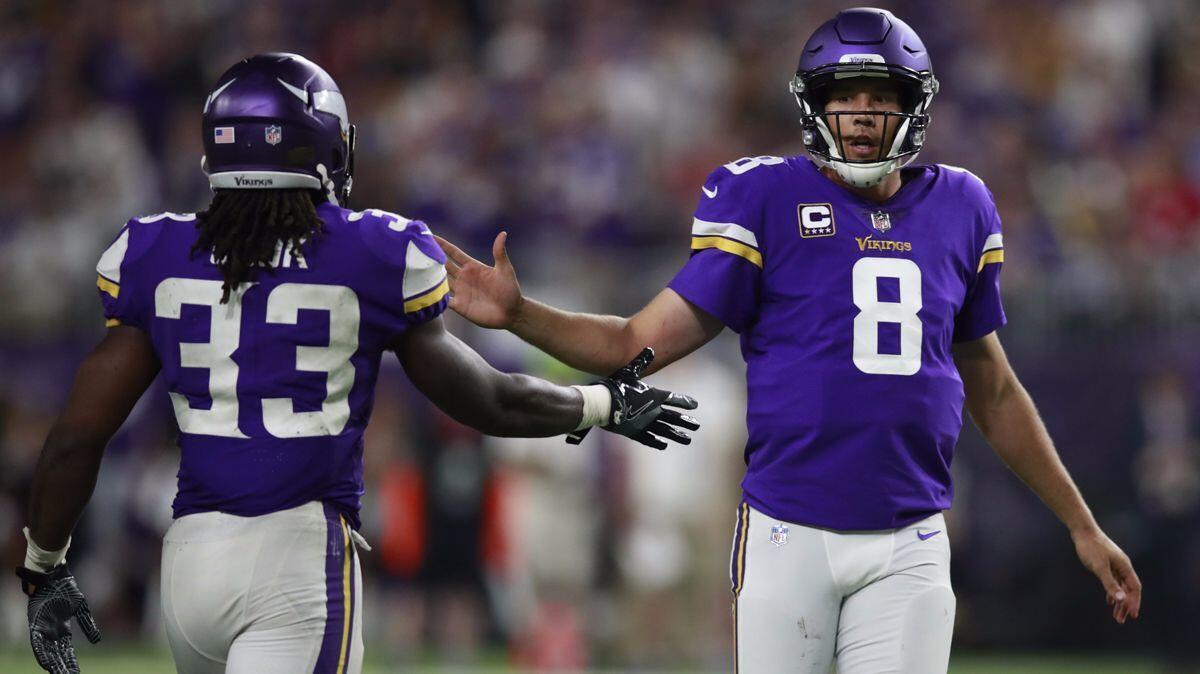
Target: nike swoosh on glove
(640,411)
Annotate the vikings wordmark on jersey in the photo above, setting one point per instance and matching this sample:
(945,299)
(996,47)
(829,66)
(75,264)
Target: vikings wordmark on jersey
(846,327)
(272,391)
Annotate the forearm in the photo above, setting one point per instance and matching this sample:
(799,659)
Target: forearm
(524,406)
(1015,431)
(462,384)
(62,485)
(589,342)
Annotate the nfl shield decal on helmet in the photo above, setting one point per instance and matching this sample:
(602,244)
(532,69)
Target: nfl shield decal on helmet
(274,134)
(779,535)
(881,221)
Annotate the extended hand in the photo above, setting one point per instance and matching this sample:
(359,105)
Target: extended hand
(1112,566)
(640,411)
(55,598)
(489,297)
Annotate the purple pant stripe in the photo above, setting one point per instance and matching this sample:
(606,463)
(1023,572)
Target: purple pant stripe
(335,611)
(737,558)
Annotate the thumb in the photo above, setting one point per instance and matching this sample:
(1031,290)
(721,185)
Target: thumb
(87,623)
(499,252)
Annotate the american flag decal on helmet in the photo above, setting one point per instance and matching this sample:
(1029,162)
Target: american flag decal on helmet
(223,135)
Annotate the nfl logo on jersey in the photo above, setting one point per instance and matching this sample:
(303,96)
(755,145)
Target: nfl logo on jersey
(274,134)
(881,221)
(779,534)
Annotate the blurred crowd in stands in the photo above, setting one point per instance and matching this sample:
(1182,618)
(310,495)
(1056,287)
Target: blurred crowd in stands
(584,129)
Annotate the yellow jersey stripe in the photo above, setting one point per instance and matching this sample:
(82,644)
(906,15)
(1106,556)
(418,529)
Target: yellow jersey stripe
(739,249)
(108,286)
(348,618)
(112,322)
(990,257)
(432,297)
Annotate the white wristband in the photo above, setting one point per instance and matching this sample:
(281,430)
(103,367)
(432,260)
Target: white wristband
(39,559)
(597,405)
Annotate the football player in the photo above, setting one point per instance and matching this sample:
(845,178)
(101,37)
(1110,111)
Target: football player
(866,292)
(267,315)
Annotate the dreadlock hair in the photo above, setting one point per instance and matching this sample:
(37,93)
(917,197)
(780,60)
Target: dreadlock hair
(244,229)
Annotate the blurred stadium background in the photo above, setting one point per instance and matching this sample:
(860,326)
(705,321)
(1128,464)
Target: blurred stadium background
(584,129)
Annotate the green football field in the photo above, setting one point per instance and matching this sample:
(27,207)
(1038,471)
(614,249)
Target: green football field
(114,660)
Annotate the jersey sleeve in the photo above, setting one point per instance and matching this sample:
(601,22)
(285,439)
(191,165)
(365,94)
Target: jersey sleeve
(723,277)
(116,278)
(413,288)
(983,312)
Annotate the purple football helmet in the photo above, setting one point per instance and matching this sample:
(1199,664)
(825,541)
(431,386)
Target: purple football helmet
(278,121)
(865,42)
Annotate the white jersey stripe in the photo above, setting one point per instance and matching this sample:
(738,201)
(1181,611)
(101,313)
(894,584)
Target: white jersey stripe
(729,230)
(110,262)
(993,242)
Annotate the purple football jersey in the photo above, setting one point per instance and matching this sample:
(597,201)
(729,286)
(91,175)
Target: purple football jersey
(847,310)
(273,390)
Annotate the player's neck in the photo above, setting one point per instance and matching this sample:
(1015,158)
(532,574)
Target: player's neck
(878,193)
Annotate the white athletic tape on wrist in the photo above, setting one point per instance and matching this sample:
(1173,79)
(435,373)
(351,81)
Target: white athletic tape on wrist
(39,559)
(597,405)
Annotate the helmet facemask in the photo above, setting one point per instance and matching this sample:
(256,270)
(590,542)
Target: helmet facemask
(825,144)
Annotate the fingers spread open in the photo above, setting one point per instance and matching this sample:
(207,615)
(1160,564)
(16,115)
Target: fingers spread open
(663,430)
(647,438)
(453,252)
(680,400)
(676,419)
(499,252)
(641,361)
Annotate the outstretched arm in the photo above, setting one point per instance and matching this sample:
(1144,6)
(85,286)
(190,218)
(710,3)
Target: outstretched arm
(109,382)
(459,381)
(462,384)
(491,297)
(1005,413)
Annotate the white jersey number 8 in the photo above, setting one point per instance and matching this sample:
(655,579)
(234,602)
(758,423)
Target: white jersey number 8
(216,356)
(872,311)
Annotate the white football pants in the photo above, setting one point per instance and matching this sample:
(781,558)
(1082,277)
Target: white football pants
(274,594)
(806,599)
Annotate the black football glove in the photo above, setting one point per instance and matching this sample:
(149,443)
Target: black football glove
(638,410)
(55,598)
